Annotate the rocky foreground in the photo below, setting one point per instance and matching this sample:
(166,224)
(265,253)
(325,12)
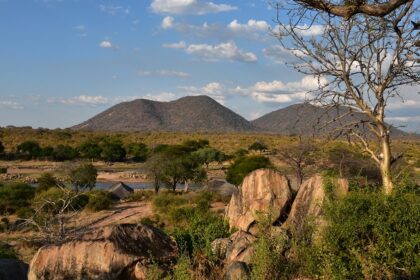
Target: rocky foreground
(129,251)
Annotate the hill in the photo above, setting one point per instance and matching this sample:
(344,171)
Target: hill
(187,114)
(307,119)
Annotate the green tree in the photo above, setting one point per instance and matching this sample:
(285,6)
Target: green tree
(258,146)
(15,196)
(64,152)
(29,149)
(113,150)
(208,155)
(90,150)
(138,151)
(83,176)
(1,148)
(47,152)
(244,165)
(46,181)
(155,168)
(99,200)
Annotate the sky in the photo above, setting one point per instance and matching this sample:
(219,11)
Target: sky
(64,61)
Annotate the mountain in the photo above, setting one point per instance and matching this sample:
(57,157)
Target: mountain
(187,114)
(307,119)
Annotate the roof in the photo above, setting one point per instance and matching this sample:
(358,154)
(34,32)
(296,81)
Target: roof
(120,190)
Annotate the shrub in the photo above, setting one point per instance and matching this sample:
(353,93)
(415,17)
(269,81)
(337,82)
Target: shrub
(7,251)
(243,166)
(99,200)
(182,269)
(140,195)
(15,196)
(45,182)
(373,236)
(3,170)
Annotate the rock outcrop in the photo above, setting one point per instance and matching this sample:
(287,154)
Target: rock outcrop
(263,191)
(237,271)
(113,252)
(310,199)
(13,269)
(237,247)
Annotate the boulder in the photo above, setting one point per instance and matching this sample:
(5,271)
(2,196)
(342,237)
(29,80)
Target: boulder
(237,271)
(310,199)
(263,191)
(13,269)
(238,247)
(221,187)
(112,252)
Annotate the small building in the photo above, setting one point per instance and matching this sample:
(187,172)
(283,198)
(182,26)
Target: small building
(120,191)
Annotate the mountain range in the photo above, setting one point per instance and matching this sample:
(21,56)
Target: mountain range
(203,114)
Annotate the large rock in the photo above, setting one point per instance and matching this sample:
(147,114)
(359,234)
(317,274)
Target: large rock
(263,191)
(237,271)
(221,187)
(13,269)
(309,201)
(113,252)
(237,247)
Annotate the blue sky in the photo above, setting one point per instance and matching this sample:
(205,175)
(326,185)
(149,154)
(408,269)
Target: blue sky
(63,61)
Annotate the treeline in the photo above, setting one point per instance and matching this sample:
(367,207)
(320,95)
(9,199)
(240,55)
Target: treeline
(105,148)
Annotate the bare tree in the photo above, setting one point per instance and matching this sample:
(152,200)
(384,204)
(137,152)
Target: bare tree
(360,64)
(349,8)
(298,156)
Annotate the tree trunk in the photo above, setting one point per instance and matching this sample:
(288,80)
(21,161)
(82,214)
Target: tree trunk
(186,187)
(385,165)
(174,186)
(299,176)
(156,185)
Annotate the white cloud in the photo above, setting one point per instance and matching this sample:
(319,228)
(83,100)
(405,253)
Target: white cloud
(214,90)
(12,105)
(179,45)
(167,22)
(280,92)
(106,44)
(165,73)
(251,26)
(162,97)
(82,100)
(197,7)
(303,30)
(227,51)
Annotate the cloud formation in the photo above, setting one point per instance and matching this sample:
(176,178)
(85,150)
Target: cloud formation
(82,100)
(113,10)
(106,44)
(196,7)
(214,90)
(11,105)
(279,92)
(224,51)
(280,55)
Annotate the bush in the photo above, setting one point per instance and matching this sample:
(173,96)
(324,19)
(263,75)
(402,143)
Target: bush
(182,269)
(99,200)
(3,170)
(15,196)
(243,166)
(140,195)
(7,251)
(373,236)
(45,182)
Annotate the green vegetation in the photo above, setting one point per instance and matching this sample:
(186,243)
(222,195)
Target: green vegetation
(45,182)
(83,176)
(242,166)
(7,251)
(138,151)
(99,200)
(15,196)
(258,146)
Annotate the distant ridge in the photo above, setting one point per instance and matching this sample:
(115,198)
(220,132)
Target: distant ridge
(187,114)
(204,114)
(306,119)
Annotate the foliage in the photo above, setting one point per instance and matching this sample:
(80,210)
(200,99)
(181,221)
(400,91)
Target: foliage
(83,176)
(1,148)
(99,200)
(14,196)
(258,146)
(138,151)
(64,152)
(208,155)
(90,150)
(112,150)
(30,149)
(243,166)
(46,181)
(140,195)
(7,251)
(182,269)
(373,236)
